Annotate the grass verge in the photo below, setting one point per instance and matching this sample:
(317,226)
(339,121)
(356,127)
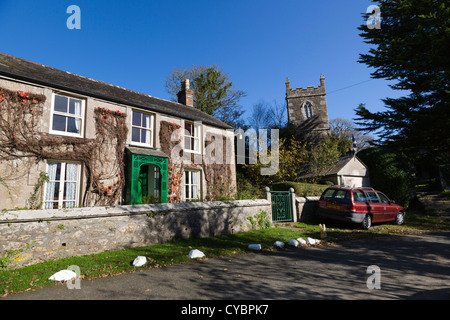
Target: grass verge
(117,262)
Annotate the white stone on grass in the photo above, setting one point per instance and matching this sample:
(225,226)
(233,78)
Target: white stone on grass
(63,275)
(278,244)
(312,241)
(193,254)
(139,261)
(254,247)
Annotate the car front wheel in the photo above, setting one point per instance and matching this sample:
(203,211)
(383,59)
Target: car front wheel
(367,222)
(400,218)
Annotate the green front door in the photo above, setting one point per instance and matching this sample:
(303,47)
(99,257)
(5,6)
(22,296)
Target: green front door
(143,181)
(146,175)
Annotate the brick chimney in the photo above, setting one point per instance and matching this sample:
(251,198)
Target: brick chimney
(186,95)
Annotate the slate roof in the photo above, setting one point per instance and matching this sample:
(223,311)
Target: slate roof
(24,70)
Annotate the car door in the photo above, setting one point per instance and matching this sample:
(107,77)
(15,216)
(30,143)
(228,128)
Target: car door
(360,201)
(389,213)
(375,206)
(325,202)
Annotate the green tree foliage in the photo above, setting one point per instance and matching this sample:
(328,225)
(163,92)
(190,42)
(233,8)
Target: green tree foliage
(390,172)
(214,92)
(323,157)
(345,132)
(292,155)
(411,48)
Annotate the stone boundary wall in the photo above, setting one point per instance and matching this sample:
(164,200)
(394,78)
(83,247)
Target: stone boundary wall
(306,207)
(32,236)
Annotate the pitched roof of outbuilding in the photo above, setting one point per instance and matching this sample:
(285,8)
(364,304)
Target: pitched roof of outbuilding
(335,169)
(24,70)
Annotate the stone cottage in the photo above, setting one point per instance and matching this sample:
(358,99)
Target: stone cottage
(69,141)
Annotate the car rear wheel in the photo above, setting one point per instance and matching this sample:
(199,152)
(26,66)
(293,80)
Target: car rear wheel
(367,222)
(400,218)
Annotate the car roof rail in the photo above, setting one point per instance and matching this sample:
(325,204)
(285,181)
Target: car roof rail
(352,188)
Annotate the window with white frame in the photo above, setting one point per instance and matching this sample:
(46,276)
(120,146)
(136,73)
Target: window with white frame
(62,187)
(142,129)
(67,115)
(191,185)
(191,137)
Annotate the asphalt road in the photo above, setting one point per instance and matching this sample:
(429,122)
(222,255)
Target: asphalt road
(410,267)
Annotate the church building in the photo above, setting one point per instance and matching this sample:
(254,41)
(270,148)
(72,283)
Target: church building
(307,110)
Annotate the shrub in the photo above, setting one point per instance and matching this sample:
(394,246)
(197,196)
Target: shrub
(300,189)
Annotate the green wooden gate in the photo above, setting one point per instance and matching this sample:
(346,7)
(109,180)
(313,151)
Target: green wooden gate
(281,206)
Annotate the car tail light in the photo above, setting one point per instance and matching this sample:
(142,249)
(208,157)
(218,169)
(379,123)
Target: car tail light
(352,208)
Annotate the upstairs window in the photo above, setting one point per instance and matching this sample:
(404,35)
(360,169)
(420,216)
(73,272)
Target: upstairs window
(67,116)
(142,129)
(192,137)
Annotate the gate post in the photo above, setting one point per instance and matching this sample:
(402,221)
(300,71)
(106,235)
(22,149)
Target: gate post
(294,205)
(268,195)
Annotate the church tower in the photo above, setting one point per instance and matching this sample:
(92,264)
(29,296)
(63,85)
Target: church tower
(307,110)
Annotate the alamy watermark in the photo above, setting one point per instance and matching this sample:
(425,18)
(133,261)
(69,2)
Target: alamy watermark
(74,20)
(74,283)
(374,280)
(374,20)
(220,151)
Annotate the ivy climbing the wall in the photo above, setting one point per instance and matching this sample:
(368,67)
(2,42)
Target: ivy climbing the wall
(219,185)
(22,139)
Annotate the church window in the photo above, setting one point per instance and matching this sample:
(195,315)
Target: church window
(308,110)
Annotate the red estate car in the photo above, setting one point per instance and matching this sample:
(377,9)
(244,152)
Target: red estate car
(359,205)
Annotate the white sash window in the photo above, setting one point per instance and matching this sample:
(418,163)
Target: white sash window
(191,185)
(62,189)
(142,129)
(67,116)
(191,137)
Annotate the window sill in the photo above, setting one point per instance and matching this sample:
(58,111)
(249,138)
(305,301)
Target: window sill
(66,134)
(191,151)
(143,145)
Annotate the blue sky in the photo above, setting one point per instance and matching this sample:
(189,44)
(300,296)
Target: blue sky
(136,44)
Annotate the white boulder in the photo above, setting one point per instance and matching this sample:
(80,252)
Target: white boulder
(193,254)
(293,242)
(278,244)
(139,261)
(254,247)
(63,275)
(312,241)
